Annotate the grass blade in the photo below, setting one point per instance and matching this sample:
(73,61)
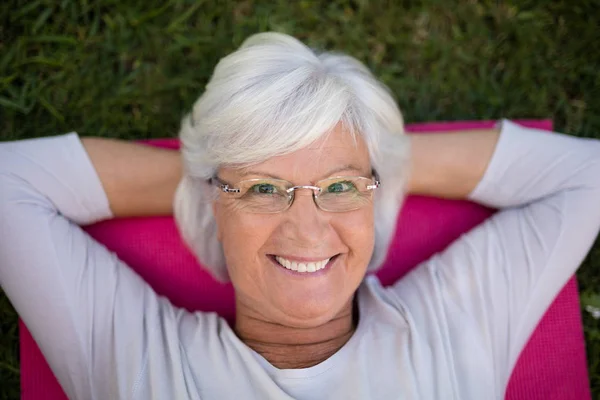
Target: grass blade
(53,39)
(41,20)
(4,102)
(51,109)
(184,17)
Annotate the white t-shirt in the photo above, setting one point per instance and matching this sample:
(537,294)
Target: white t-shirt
(451,329)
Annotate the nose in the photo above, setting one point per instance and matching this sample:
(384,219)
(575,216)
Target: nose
(304,222)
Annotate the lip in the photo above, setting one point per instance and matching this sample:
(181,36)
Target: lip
(320,272)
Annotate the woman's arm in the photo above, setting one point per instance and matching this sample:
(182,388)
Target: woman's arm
(139,180)
(93,318)
(450,165)
(493,285)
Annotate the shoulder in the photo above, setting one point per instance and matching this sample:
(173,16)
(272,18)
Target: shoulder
(414,300)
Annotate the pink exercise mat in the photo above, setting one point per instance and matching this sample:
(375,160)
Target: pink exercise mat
(552,366)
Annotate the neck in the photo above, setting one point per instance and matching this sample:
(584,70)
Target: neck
(289,347)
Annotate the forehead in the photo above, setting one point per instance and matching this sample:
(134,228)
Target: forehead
(335,150)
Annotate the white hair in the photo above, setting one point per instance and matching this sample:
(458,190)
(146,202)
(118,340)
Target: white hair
(274,96)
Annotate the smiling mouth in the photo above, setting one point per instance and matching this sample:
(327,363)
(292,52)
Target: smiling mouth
(303,267)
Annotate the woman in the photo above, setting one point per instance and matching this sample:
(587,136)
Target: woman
(294,170)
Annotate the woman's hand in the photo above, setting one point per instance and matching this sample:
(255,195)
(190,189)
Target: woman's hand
(450,165)
(139,180)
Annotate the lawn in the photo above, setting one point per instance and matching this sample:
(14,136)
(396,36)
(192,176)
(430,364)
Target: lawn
(131,69)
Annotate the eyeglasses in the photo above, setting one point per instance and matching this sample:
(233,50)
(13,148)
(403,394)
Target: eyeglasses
(268,196)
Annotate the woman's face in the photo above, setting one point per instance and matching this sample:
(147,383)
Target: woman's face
(303,233)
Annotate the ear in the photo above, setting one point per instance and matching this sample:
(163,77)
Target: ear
(215,210)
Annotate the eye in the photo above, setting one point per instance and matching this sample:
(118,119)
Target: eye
(263,188)
(341,187)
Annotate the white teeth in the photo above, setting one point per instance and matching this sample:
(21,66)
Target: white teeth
(302,267)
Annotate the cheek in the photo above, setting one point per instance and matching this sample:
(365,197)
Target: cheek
(242,237)
(357,231)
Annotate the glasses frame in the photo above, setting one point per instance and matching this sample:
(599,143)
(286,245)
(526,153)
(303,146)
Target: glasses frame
(231,189)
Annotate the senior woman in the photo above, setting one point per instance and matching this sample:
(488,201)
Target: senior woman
(295,165)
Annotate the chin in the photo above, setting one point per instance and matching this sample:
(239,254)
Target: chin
(313,313)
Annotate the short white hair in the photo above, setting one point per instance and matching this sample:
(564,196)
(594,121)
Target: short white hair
(274,96)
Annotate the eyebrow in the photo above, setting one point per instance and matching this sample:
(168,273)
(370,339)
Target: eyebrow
(346,167)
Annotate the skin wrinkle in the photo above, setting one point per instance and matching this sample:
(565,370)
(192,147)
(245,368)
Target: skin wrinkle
(293,352)
(298,321)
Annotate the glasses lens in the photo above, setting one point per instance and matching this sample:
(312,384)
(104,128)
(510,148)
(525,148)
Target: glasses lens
(263,196)
(344,193)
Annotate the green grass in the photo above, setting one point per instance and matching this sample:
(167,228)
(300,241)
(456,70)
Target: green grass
(131,69)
